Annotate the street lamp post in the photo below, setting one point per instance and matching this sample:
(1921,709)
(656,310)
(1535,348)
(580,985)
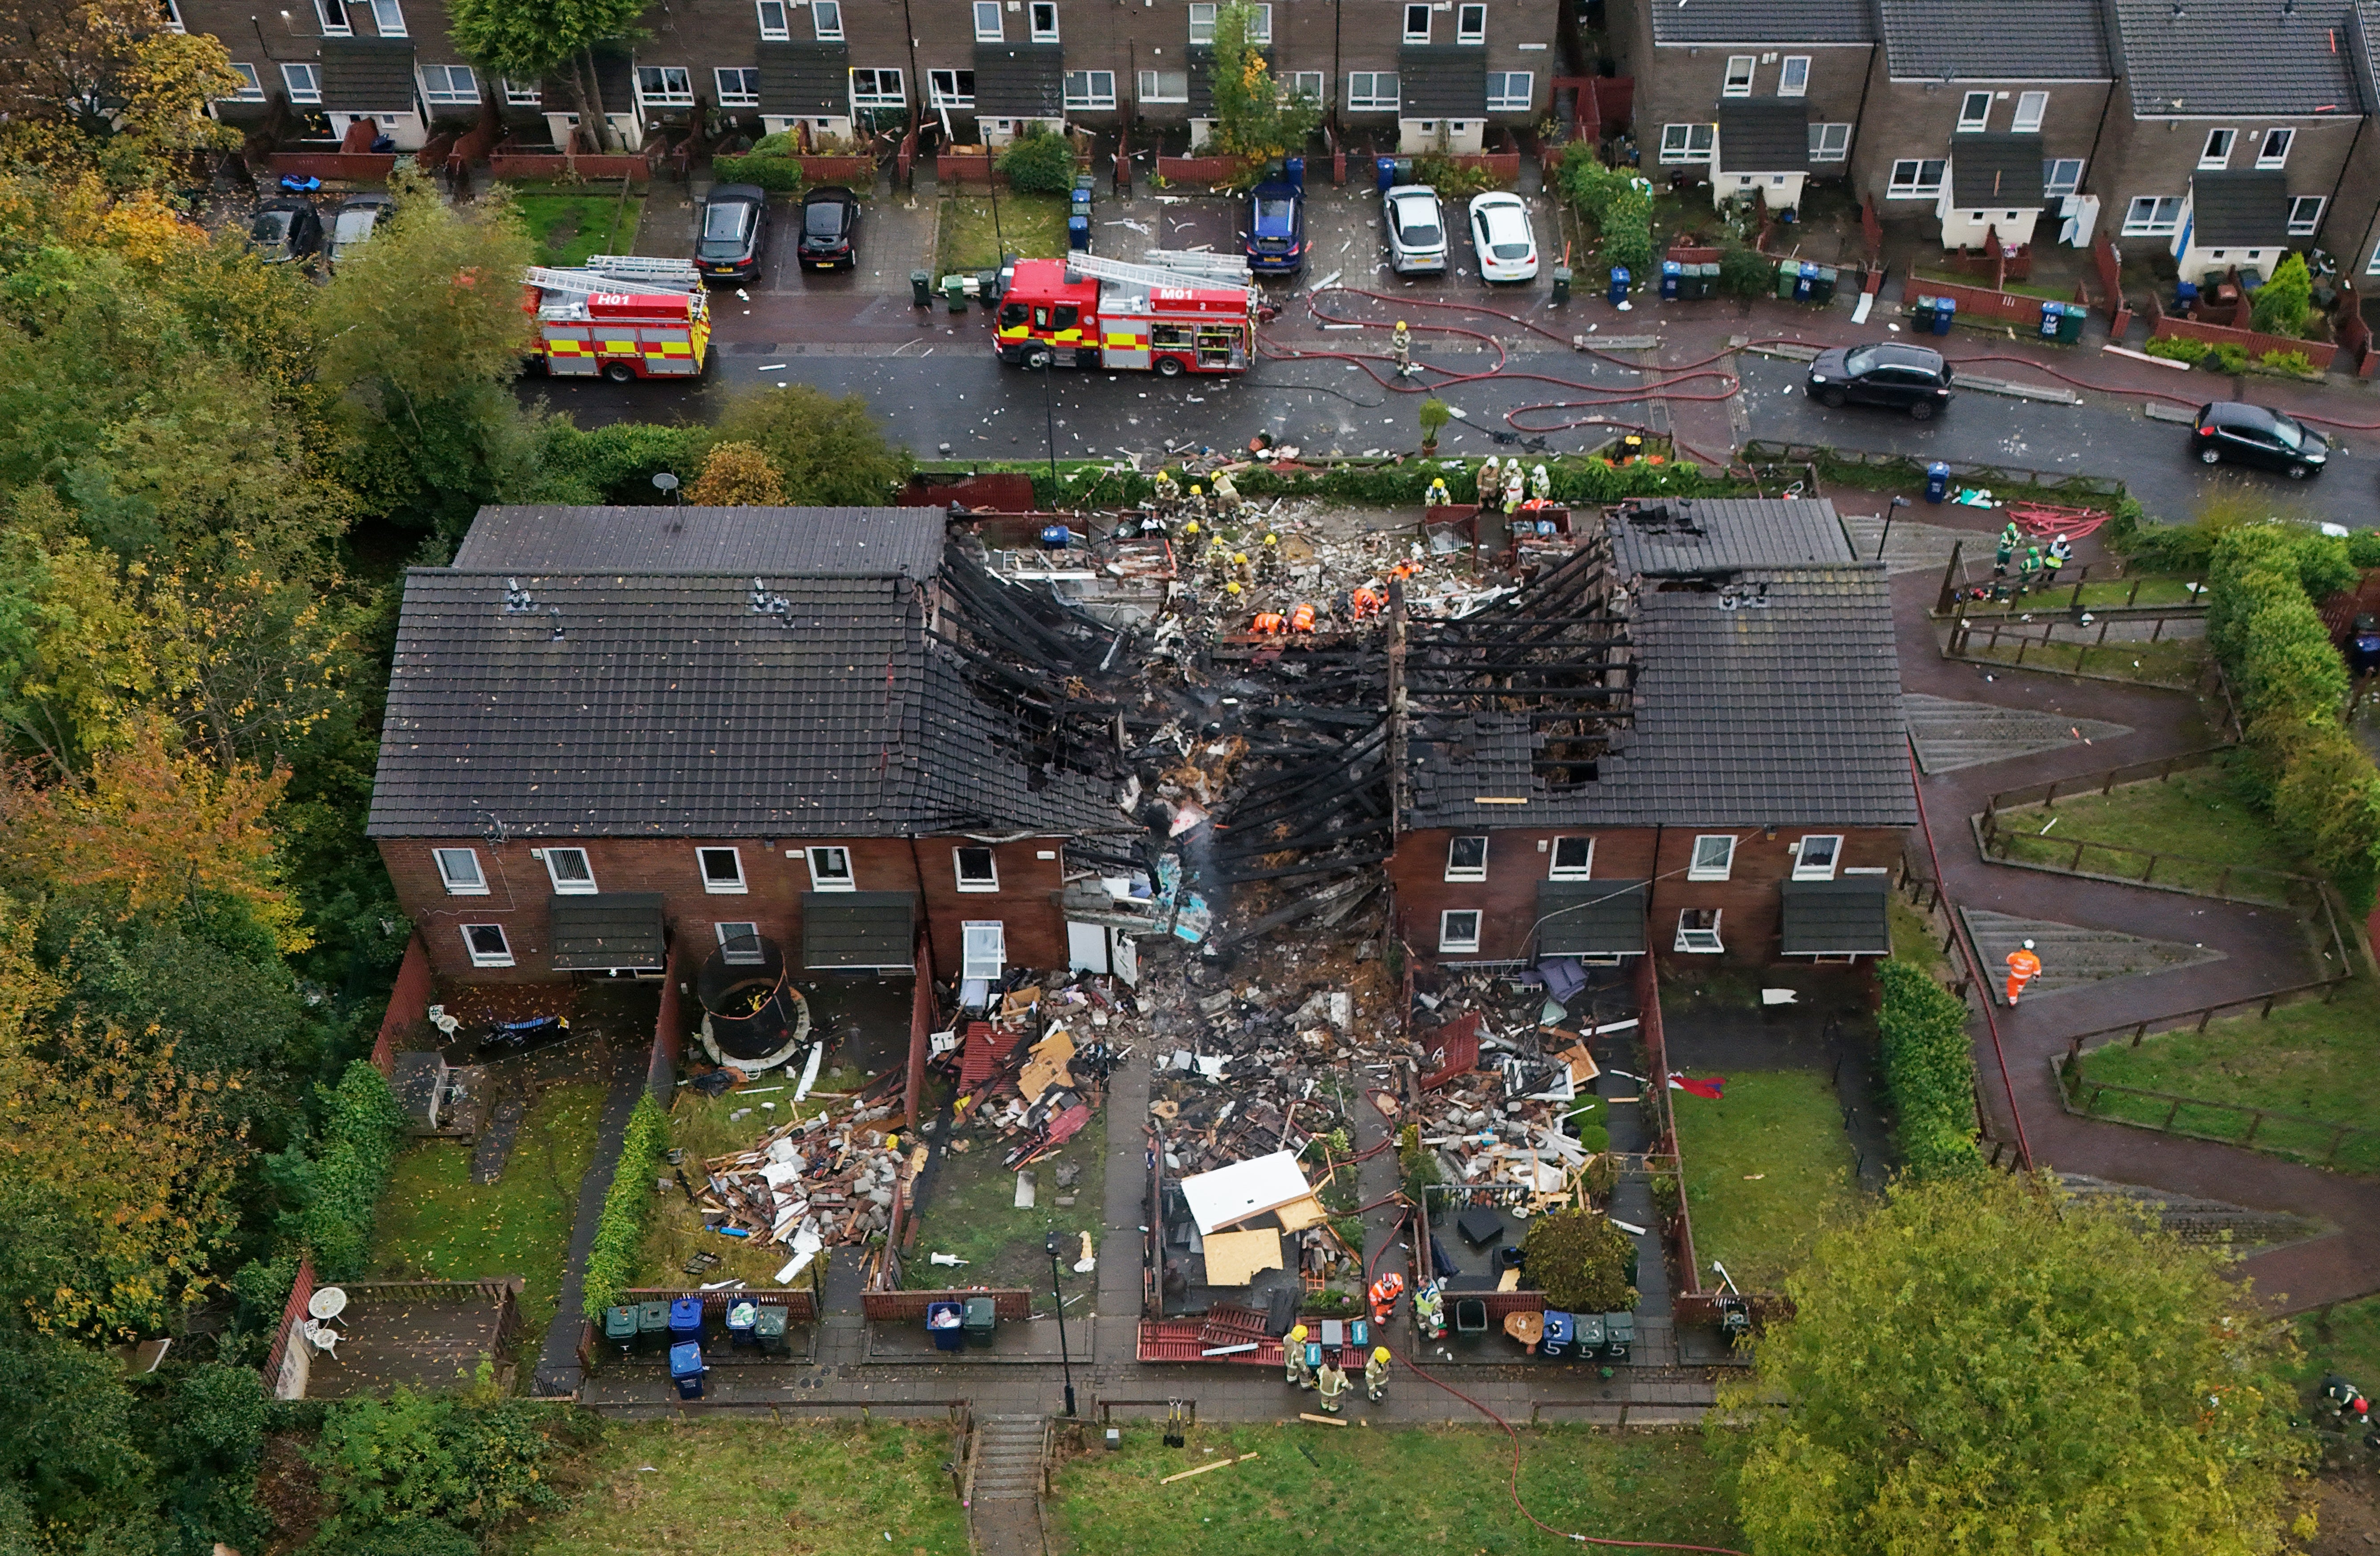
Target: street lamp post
(1066,1358)
(1050,425)
(1898,505)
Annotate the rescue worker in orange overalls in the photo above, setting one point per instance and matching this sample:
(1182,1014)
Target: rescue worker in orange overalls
(1385,1292)
(1272,622)
(2023,967)
(1366,602)
(1302,619)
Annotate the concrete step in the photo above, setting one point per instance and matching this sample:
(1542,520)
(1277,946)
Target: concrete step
(2198,1220)
(1951,735)
(1913,545)
(2073,956)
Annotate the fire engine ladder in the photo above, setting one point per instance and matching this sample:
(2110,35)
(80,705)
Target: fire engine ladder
(1195,261)
(614,273)
(1099,269)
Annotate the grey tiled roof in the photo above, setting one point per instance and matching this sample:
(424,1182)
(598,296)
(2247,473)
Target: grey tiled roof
(1590,918)
(805,80)
(859,929)
(1717,534)
(670,709)
(2001,41)
(599,931)
(1764,134)
(2364,41)
(812,542)
(1020,80)
(2242,56)
(1996,172)
(368,75)
(1761,22)
(1441,81)
(1837,918)
(2247,209)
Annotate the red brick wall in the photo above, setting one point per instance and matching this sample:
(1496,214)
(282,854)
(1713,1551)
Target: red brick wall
(2318,353)
(519,890)
(408,1002)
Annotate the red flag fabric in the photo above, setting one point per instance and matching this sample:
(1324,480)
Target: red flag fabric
(1711,1088)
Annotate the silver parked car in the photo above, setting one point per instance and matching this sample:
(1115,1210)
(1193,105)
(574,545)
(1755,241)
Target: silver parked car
(352,227)
(1416,229)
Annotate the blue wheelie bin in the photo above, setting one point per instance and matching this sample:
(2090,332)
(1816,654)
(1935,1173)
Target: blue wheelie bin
(743,1324)
(1619,293)
(686,1319)
(1671,270)
(1937,481)
(1556,1344)
(1805,281)
(1945,310)
(945,1323)
(686,1369)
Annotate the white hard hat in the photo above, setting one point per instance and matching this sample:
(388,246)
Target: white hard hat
(2028,945)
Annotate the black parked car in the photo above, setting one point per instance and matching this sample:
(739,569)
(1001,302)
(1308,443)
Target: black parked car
(1907,378)
(284,230)
(830,228)
(2245,434)
(735,223)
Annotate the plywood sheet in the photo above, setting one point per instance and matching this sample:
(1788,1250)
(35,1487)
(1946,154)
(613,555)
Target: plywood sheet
(1236,1258)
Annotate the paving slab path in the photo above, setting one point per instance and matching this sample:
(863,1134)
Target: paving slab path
(557,1362)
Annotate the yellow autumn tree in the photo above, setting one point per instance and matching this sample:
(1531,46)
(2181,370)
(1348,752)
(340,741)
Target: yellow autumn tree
(738,476)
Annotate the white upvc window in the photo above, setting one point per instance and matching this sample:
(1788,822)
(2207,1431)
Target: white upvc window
(1573,858)
(1739,76)
(2032,107)
(826,20)
(449,83)
(1688,143)
(1510,91)
(1043,14)
(1830,143)
(2153,215)
(983,948)
(956,88)
(975,869)
(1975,112)
(831,869)
(2371,265)
(1164,86)
(486,945)
(1698,931)
(1466,859)
(1310,84)
(666,86)
(1417,24)
(1793,79)
(304,81)
(2217,152)
(251,85)
(1371,91)
(388,18)
(1090,89)
(459,870)
(523,95)
(987,21)
(1458,929)
(876,89)
(2061,175)
(739,943)
(1260,24)
(2305,214)
(172,17)
(1815,858)
(739,86)
(571,873)
(2275,149)
(1916,177)
(333,15)
(1202,23)
(1714,857)
(774,27)
(721,871)
(1471,24)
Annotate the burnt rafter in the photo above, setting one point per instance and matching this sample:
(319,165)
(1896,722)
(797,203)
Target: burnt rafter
(1058,678)
(1558,651)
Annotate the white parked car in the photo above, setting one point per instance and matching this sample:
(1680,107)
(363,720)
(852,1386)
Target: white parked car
(1499,231)
(1416,229)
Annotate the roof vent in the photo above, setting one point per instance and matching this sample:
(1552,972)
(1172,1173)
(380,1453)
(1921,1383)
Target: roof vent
(555,612)
(517,600)
(766,604)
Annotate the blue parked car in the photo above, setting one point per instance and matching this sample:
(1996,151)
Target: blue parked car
(1277,227)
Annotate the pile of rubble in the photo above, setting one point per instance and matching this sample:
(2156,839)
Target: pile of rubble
(1032,1069)
(814,1183)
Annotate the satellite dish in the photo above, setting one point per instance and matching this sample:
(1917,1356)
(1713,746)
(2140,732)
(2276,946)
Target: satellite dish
(665,481)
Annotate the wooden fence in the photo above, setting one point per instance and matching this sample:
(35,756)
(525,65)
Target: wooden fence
(286,1364)
(1982,305)
(333,167)
(2326,1136)
(800,1303)
(2111,281)
(1762,450)
(1197,169)
(531,165)
(669,1032)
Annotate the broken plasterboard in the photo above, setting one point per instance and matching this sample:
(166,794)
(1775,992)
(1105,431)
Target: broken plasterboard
(1300,1214)
(1236,1258)
(1229,1195)
(1047,1067)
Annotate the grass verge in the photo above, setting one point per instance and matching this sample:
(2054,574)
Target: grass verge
(2201,816)
(1030,226)
(1359,1493)
(2343,1337)
(1913,941)
(733,1488)
(2105,594)
(570,227)
(704,1128)
(2169,662)
(969,1211)
(1768,1167)
(2319,1063)
(435,1224)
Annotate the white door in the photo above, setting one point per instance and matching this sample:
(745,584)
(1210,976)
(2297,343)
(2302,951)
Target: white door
(1086,947)
(2081,219)
(1125,952)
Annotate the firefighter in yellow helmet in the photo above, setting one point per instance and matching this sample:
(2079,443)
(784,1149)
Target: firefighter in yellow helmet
(1375,1375)
(1402,343)
(1293,1351)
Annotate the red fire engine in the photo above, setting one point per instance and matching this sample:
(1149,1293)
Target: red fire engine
(625,318)
(1084,311)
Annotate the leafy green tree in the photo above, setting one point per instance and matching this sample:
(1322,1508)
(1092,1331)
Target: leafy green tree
(829,451)
(1257,118)
(1985,1367)
(528,39)
(466,1461)
(68,1448)
(738,476)
(333,1187)
(2284,302)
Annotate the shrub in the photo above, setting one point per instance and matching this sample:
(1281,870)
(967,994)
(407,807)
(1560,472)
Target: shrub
(2363,549)
(460,1460)
(337,1182)
(1434,415)
(611,1262)
(1579,1261)
(738,476)
(1418,1161)
(1451,179)
(1745,272)
(2227,357)
(780,144)
(777,174)
(1619,206)
(2287,362)
(829,453)
(2178,348)
(2283,303)
(614,465)
(1930,1071)
(1039,162)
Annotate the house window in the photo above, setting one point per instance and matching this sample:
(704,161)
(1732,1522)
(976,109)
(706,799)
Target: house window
(1090,89)
(1259,24)
(1508,91)
(1202,24)
(739,944)
(983,948)
(831,870)
(723,869)
(826,20)
(1458,930)
(2151,215)
(2305,214)
(333,15)
(1829,143)
(738,86)
(1975,110)
(2217,152)
(987,21)
(1471,24)
(1371,91)
(1573,858)
(449,83)
(1044,21)
(1795,78)
(1698,931)
(174,17)
(459,869)
(2061,175)
(304,81)
(665,85)
(956,88)
(1714,858)
(976,870)
(2032,107)
(1817,856)
(1309,84)
(876,89)
(573,877)
(1416,24)
(1739,76)
(773,26)
(2275,151)
(388,18)
(251,85)
(524,95)
(486,945)
(1688,143)
(1466,859)
(1914,178)
(2371,265)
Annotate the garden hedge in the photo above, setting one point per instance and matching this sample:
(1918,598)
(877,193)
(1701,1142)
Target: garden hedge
(339,1180)
(1622,211)
(611,1262)
(777,175)
(1930,1071)
(1581,481)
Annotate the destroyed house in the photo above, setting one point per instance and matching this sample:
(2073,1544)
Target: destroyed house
(1711,763)
(612,733)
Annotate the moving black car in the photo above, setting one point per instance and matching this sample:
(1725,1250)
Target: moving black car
(1907,378)
(2237,432)
(735,223)
(830,228)
(286,229)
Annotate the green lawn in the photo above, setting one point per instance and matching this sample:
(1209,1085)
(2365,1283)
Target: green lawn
(569,228)
(1030,226)
(1913,940)
(2202,814)
(2315,1061)
(2144,589)
(1768,1167)
(2168,662)
(724,1488)
(1354,1492)
(969,1210)
(705,1128)
(435,1224)
(2345,1338)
